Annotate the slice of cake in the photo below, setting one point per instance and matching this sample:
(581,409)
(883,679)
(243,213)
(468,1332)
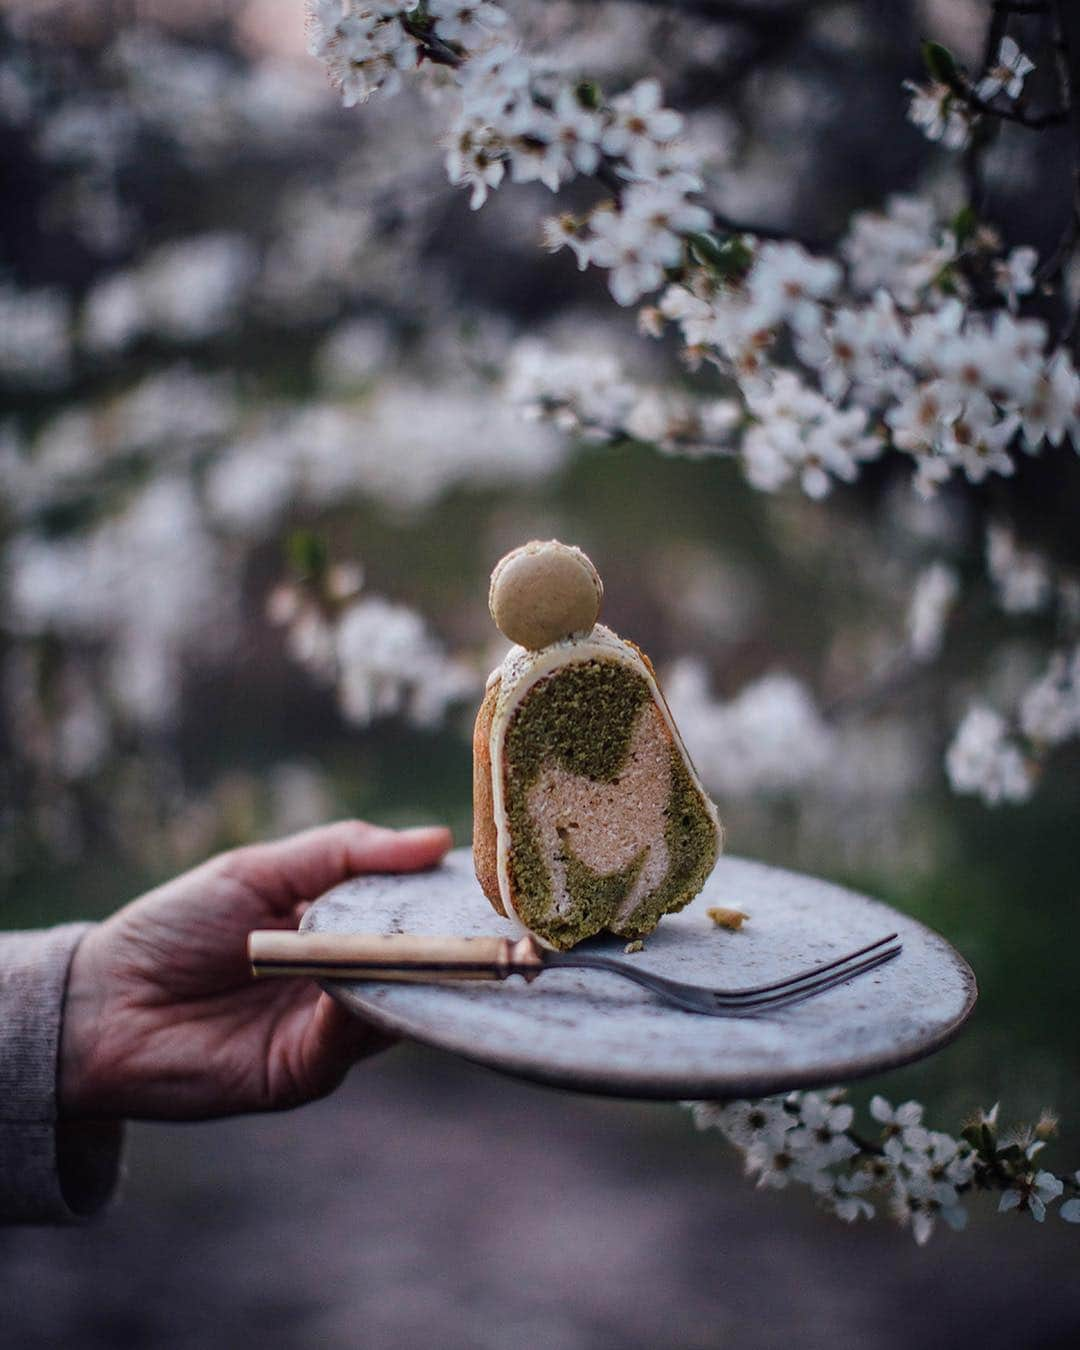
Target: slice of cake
(588,815)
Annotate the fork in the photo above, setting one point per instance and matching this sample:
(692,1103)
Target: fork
(421,959)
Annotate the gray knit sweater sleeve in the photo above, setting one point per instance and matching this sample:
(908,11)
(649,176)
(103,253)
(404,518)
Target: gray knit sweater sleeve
(51,1171)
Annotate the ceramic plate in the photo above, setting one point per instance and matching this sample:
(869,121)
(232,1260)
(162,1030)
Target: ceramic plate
(594,1032)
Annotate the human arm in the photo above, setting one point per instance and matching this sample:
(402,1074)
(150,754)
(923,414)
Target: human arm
(153,1014)
(163,1019)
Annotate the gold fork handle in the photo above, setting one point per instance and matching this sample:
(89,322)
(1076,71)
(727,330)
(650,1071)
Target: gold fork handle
(392,956)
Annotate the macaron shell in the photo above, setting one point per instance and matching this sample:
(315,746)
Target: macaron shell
(544,591)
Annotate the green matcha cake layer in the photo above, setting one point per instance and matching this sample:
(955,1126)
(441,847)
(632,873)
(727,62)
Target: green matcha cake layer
(607,826)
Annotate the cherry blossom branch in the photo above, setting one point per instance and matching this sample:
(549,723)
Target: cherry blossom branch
(902,346)
(437,51)
(923,1175)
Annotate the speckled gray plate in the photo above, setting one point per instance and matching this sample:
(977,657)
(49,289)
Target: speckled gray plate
(597,1033)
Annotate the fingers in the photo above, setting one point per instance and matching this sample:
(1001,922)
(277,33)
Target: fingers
(305,865)
(334,1041)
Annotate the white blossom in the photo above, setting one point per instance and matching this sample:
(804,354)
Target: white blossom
(634,250)
(1021,576)
(475,158)
(537,155)
(798,431)
(468,22)
(1007,75)
(184,291)
(388,663)
(773,1164)
(639,119)
(568,231)
(769,738)
(982,760)
(35,336)
(852,346)
(806,1137)
(903,1125)
(674,163)
(496,87)
(922,1212)
(577,389)
(919,420)
(1070,1210)
(934,596)
(822,1131)
(847,1201)
(148,583)
(1053,407)
(364,46)
(899,249)
(978,443)
(786,280)
(745,1122)
(939,114)
(1050,708)
(1034,1193)
(576,130)
(1014,275)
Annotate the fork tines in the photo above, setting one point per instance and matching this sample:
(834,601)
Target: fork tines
(781,993)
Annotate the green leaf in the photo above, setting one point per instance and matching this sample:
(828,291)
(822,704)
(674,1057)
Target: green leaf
(941,64)
(705,247)
(728,257)
(307,553)
(964,224)
(973,1135)
(589,94)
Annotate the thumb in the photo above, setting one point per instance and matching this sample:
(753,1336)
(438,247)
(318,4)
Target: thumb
(303,866)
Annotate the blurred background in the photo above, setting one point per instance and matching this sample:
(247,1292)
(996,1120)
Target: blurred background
(258,453)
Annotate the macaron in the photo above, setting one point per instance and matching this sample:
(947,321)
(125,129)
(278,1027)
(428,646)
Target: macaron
(544,591)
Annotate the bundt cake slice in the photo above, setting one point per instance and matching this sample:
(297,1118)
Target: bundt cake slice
(589,816)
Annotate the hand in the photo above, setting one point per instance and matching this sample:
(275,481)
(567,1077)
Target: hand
(162,1018)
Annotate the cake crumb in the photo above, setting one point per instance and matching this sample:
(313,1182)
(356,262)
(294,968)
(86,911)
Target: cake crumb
(631,947)
(732,919)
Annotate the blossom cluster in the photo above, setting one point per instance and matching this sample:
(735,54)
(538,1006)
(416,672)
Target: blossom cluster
(924,1175)
(955,390)
(517,119)
(1001,762)
(35,336)
(892,332)
(949,109)
(908,340)
(1000,758)
(770,738)
(136,591)
(381,657)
